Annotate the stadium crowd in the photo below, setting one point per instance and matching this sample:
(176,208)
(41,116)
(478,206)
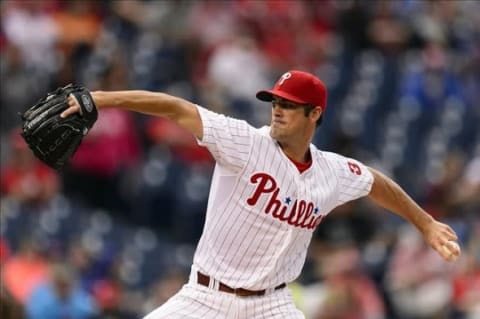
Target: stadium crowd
(113,235)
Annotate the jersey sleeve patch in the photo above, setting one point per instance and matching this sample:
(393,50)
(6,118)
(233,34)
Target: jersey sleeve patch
(354,178)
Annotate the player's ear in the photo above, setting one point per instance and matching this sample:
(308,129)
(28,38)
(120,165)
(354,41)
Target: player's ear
(316,113)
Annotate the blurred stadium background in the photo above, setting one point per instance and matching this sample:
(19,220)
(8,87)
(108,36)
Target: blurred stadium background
(115,232)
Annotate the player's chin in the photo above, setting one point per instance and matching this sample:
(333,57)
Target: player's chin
(280,138)
(276,133)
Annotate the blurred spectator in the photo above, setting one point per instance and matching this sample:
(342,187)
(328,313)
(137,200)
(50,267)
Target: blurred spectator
(89,265)
(439,199)
(218,22)
(350,292)
(216,19)
(467,289)
(29,26)
(466,193)
(466,282)
(99,169)
(353,22)
(97,274)
(79,27)
(417,280)
(240,59)
(108,296)
(60,298)
(348,222)
(434,82)
(346,291)
(180,142)
(386,31)
(20,86)
(280,24)
(435,21)
(78,24)
(24,177)
(455,195)
(25,270)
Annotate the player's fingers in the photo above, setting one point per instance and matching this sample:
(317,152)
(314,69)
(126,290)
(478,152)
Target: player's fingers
(74,107)
(453,247)
(442,240)
(71,110)
(443,252)
(445,233)
(449,251)
(451,233)
(452,237)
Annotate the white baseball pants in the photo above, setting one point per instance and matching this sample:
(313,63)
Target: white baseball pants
(195,301)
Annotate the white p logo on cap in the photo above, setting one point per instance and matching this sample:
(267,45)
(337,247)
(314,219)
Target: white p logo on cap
(284,77)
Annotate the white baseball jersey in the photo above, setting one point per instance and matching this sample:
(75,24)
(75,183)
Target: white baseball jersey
(262,211)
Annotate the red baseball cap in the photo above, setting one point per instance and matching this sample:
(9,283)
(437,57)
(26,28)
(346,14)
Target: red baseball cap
(299,87)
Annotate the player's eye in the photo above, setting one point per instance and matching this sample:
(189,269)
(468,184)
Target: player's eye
(284,104)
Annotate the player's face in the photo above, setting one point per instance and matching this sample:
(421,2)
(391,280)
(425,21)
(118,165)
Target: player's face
(288,120)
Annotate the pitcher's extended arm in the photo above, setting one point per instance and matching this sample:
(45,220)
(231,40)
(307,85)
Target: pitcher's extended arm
(181,111)
(389,195)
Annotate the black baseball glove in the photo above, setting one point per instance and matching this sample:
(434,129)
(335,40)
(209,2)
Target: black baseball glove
(54,139)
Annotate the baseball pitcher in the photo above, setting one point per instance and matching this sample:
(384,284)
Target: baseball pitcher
(270,189)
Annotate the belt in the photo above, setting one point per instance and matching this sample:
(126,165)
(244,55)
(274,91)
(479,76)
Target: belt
(204,280)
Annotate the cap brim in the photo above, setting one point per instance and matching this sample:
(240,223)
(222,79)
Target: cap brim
(267,96)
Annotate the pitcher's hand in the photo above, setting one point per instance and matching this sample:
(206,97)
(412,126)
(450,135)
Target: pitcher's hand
(443,239)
